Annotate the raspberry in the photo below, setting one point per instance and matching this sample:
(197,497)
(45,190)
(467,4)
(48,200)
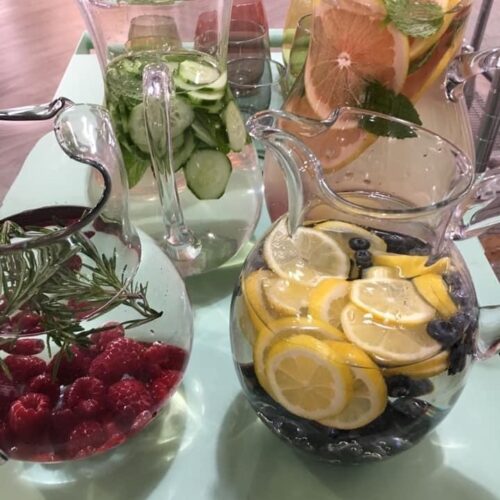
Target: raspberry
(29,415)
(127,399)
(62,422)
(113,441)
(72,365)
(86,397)
(83,308)
(26,322)
(157,353)
(163,386)
(85,438)
(114,433)
(176,358)
(121,357)
(43,384)
(102,339)
(141,421)
(74,263)
(8,394)
(159,357)
(23,368)
(25,347)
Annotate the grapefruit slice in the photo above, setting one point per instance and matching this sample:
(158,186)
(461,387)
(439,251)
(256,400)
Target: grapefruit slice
(350,46)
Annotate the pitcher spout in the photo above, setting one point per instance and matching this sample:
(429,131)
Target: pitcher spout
(294,158)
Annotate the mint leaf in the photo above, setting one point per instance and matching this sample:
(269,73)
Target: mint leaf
(416,18)
(383,100)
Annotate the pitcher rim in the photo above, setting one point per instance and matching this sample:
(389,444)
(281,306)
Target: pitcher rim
(460,159)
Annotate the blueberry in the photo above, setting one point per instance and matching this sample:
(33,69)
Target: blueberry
(363,258)
(458,359)
(461,321)
(402,386)
(419,250)
(457,289)
(398,243)
(398,386)
(413,408)
(359,244)
(444,332)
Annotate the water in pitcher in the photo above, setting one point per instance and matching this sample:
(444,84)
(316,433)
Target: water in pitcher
(386,315)
(357,59)
(212,156)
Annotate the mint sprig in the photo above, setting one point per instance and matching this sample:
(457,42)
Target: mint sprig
(416,18)
(383,100)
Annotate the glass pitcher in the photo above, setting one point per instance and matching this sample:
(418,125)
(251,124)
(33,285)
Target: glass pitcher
(95,322)
(407,67)
(355,320)
(193,176)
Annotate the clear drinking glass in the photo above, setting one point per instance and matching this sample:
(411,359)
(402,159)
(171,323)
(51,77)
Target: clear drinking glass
(257,84)
(299,48)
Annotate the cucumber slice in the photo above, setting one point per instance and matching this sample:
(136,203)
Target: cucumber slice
(219,84)
(180,84)
(205,95)
(197,73)
(214,108)
(235,127)
(181,116)
(183,154)
(207,173)
(178,142)
(203,134)
(137,128)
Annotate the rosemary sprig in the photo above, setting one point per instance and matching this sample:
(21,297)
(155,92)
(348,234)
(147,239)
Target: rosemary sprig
(41,281)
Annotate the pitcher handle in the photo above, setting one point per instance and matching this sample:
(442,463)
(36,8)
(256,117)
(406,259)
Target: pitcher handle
(158,90)
(467,65)
(36,112)
(477,217)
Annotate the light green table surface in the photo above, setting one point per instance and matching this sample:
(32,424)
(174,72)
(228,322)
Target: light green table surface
(212,447)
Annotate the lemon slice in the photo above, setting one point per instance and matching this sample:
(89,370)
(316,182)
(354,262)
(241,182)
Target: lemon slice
(395,344)
(286,297)
(307,378)
(410,266)
(343,232)
(283,328)
(391,300)
(377,272)
(369,397)
(418,46)
(328,299)
(307,257)
(423,369)
(253,293)
(434,290)
(245,323)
